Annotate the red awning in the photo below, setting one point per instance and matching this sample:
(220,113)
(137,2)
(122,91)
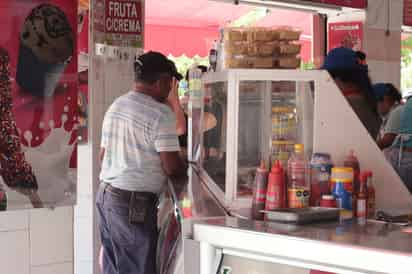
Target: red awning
(180,40)
(193,13)
(189,27)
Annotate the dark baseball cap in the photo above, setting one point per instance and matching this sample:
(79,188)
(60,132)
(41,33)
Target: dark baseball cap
(152,64)
(341,59)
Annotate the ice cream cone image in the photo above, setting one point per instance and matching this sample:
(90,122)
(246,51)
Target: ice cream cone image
(46,47)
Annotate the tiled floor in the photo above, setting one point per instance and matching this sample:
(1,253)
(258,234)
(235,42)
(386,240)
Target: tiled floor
(37,241)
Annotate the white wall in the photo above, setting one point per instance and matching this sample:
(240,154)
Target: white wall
(109,78)
(83,214)
(38,241)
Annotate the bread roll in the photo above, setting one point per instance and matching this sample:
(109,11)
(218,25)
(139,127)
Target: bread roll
(233,35)
(289,35)
(287,48)
(290,62)
(263,62)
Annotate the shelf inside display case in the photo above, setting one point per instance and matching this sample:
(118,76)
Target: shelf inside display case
(260,114)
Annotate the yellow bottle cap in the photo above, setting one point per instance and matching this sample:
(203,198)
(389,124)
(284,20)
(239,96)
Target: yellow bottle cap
(342,174)
(299,147)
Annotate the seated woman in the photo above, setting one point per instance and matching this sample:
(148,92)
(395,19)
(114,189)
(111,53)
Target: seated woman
(390,109)
(400,154)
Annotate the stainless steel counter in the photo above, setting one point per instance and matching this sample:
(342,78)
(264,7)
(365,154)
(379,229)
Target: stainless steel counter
(343,247)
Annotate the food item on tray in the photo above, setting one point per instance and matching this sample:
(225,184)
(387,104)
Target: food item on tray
(239,62)
(236,48)
(289,62)
(289,34)
(235,34)
(259,34)
(289,48)
(46,47)
(262,62)
(263,48)
(14,169)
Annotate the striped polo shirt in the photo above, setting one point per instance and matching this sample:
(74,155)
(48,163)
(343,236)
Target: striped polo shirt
(136,128)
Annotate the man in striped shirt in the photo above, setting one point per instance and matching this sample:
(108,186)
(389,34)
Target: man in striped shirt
(139,151)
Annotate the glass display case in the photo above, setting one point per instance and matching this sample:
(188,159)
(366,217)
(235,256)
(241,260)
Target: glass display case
(249,116)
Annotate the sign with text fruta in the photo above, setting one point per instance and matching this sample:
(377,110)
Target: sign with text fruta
(119,22)
(123,17)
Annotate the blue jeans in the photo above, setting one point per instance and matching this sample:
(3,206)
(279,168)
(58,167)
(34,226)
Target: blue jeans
(128,248)
(405,168)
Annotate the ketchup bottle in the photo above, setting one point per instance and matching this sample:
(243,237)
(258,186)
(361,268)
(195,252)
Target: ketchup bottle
(275,196)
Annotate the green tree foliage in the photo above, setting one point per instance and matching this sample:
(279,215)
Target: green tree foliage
(406,65)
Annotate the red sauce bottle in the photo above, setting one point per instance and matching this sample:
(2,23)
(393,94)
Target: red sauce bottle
(362,197)
(371,196)
(275,196)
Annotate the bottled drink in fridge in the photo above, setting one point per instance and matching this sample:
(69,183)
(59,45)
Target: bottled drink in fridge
(298,182)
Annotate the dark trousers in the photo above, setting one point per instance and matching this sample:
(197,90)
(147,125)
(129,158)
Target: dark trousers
(128,248)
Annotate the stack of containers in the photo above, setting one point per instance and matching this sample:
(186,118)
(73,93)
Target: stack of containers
(284,128)
(342,189)
(263,48)
(284,121)
(320,170)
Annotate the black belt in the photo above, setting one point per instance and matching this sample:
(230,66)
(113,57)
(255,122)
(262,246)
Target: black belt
(126,195)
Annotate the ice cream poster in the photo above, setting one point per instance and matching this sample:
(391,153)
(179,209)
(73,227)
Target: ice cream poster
(38,103)
(345,34)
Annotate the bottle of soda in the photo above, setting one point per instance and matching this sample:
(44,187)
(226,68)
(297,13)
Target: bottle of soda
(362,197)
(371,196)
(352,161)
(298,181)
(320,172)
